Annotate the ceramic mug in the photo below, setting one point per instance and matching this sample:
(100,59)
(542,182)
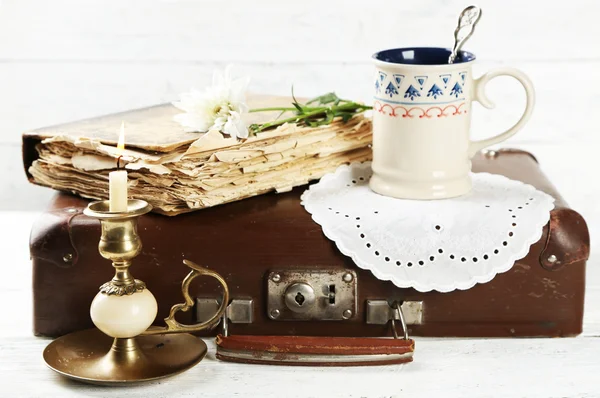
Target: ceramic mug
(421,121)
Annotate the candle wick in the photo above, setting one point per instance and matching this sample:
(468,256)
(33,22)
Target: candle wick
(119,162)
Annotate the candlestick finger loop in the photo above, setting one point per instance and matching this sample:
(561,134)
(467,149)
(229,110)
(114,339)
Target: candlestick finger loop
(175,327)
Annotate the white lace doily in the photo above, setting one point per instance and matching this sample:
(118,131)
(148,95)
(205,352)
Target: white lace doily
(438,245)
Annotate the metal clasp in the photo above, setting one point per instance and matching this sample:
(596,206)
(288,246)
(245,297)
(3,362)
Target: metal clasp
(398,308)
(224,321)
(379,312)
(238,311)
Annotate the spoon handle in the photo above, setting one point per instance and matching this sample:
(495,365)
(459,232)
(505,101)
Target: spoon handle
(466,26)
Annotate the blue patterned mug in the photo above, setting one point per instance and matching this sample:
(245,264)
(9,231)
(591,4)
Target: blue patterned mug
(422,118)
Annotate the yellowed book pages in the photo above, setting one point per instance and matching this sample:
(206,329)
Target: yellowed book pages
(178,172)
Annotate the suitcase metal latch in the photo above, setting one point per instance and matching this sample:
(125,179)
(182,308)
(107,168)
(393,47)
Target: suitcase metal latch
(324,295)
(238,310)
(379,312)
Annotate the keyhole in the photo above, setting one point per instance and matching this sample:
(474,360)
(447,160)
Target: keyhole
(331,294)
(299,298)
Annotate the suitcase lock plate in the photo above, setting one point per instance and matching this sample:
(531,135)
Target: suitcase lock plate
(296,295)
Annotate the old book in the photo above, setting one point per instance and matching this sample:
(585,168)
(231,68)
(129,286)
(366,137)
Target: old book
(178,172)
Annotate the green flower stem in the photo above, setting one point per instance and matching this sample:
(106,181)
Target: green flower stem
(328,107)
(296,119)
(271,109)
(345,107)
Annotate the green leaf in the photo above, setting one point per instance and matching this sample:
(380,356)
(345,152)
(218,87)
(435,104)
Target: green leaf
(319,111)
(323,120)
(325,99)
(254,128)
(298,107)
(345,115)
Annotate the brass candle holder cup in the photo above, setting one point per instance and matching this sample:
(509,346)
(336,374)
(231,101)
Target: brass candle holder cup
(124,348)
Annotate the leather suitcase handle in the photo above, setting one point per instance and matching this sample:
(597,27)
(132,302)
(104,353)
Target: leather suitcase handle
(314,351)
(318,351)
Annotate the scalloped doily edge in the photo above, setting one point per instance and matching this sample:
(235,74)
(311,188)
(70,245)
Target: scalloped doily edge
(460,285)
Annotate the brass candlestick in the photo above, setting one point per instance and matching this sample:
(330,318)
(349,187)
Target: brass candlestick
(124,348)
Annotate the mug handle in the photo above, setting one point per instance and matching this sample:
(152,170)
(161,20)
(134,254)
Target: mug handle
(481,97)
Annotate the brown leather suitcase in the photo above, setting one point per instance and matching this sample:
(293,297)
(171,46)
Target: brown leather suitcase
(263,245)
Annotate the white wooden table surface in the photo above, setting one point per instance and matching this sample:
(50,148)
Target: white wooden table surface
(68,59)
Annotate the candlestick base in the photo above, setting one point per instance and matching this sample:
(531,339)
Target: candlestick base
(124,307)
(91,356)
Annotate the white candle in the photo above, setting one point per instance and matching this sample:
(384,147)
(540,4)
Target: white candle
(117,181)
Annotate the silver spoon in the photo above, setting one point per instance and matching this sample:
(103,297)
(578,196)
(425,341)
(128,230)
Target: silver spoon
(466,26)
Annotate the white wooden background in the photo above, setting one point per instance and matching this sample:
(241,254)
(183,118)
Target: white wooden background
(63,60)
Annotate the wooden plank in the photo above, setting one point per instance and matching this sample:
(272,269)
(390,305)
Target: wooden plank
(311,31)
(443,367)
(17,194)
(37,95)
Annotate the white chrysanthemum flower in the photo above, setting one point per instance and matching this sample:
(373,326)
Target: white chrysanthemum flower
(219,107)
